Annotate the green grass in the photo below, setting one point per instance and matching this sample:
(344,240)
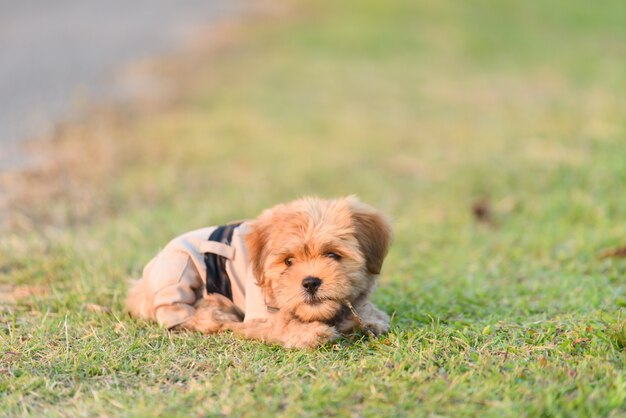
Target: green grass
(421,108)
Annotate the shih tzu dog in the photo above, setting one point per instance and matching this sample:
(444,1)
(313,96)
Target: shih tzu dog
(299,275)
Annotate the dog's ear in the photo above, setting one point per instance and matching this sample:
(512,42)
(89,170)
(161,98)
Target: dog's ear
(373,231)
(256,243)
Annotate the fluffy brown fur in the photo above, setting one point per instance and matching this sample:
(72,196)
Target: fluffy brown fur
(338,245)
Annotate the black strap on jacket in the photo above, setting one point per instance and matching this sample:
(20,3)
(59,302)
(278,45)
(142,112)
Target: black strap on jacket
(217,280)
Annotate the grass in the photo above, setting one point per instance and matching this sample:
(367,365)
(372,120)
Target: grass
(422,109)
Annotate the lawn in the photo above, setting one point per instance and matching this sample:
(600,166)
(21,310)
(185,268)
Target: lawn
(492,132)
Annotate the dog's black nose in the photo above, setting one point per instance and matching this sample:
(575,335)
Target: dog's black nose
(311,284)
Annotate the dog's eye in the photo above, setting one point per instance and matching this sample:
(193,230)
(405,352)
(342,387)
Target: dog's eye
(289,261)
(332,255)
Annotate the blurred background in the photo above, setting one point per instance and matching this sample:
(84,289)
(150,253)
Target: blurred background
(492,104)
(56,58)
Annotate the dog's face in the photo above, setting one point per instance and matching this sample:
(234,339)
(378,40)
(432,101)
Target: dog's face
(310,256)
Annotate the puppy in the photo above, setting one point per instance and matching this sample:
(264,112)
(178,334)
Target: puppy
(299,275)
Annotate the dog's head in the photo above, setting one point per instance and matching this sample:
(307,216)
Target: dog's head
(310,256)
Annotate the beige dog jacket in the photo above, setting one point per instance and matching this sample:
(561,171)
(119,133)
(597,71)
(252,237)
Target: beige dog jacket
(177,276)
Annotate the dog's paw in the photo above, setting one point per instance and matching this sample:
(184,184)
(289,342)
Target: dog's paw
(225,316)
(376,327)
(312,335)
(209,320)
(324,334)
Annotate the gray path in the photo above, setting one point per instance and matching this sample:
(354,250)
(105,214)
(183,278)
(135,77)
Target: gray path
(55,53)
